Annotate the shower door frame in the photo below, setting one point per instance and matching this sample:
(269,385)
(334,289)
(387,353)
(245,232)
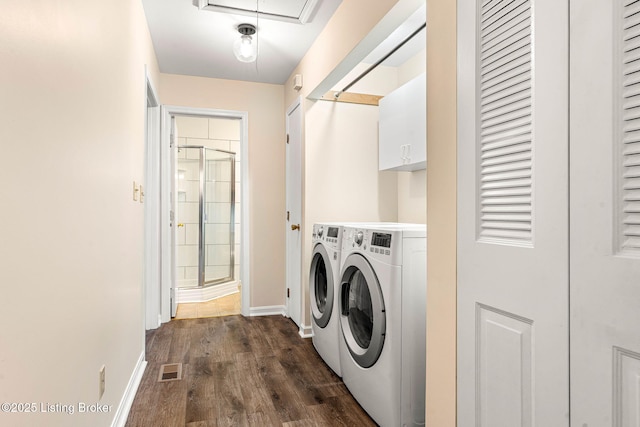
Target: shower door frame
(201,215)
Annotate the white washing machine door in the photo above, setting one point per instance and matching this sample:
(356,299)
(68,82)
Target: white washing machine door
(321,286)
(362,315)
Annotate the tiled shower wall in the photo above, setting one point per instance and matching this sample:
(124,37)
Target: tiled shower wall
(221,134)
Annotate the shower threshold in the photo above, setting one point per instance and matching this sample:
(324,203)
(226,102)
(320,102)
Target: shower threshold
(208,292)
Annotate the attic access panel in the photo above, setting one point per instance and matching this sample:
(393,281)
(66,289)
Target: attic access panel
(296,11)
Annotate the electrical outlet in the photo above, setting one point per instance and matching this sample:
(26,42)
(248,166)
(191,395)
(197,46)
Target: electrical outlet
(102,380)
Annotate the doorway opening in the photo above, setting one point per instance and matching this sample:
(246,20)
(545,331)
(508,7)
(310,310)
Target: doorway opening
(205,237)
(207,227)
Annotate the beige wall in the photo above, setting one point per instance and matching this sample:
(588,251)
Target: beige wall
(73,106)
(344,135)
(266,163)
(441,213)
(344,31)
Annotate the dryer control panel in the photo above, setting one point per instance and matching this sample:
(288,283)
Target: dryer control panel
(373,242)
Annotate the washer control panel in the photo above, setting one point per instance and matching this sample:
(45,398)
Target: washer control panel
(329,234)
(374,242)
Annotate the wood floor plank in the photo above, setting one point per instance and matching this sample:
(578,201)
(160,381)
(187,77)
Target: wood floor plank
(240,371)
(256,395)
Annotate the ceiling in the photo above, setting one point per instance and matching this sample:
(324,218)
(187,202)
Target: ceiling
(198,42)
(191,41)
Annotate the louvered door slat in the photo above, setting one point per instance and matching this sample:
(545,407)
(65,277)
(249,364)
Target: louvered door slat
(631,9)
(515,90)
(506,60)
(508,66)
(508,108)
(505,36)
(632,32)
(629,131)
(631,57)
(523,138)
(632,208)
(631,149)
(516,43)
(505,122)
(631,113)
(489,208)
(632,243)
(632,79)
(513,183)
(632,67)
(508,159)
(508,78)
(500,16)
(507,117)
(632,219)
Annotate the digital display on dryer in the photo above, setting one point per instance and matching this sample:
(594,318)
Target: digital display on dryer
(332,232)
(381,239)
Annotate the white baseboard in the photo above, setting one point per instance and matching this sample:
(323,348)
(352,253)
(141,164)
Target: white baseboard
(206,293)
(268,310)
(305,331)
(120,418)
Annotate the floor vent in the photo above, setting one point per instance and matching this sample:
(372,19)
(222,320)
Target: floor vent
(170,372)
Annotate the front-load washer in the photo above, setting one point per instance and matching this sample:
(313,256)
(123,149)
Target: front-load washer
(323,285)
(324,281)
(382,307)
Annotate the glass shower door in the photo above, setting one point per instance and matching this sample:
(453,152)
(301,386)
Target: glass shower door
(219,218)
(205,216)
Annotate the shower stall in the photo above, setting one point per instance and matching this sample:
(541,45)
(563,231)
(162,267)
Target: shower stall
(205,217)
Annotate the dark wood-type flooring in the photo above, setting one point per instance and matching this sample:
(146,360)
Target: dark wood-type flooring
(240,371)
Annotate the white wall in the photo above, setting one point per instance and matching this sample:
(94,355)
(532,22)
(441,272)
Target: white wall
(73,106)
(411,186)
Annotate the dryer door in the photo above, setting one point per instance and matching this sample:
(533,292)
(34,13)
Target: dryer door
(362,315)
(321,286)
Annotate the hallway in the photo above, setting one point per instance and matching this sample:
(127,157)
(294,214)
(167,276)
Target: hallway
(240,371)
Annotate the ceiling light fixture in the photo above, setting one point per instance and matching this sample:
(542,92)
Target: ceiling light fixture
(244,48)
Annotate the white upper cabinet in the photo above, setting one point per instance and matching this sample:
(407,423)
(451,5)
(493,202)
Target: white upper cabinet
(403,128)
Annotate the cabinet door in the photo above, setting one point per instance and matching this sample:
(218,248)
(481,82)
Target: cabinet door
(513,282)
(402,127)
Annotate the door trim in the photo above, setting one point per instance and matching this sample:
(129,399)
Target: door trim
(167,112)
(151,200)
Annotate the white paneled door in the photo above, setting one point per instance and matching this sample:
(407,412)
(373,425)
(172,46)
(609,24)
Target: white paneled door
(294,212)
(513,241)
(605,213)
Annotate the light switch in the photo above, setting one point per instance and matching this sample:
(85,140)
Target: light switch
(135,191)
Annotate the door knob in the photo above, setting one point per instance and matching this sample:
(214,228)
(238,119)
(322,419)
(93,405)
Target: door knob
(295,226)
(180,224)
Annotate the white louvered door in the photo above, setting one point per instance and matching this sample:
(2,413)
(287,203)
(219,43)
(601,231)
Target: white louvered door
(605,213)
(513,307)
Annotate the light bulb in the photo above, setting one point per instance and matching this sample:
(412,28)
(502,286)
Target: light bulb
(244,49)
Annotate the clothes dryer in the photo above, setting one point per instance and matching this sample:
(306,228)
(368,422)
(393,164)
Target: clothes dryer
(382,308)
(323,285)
(324,281)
